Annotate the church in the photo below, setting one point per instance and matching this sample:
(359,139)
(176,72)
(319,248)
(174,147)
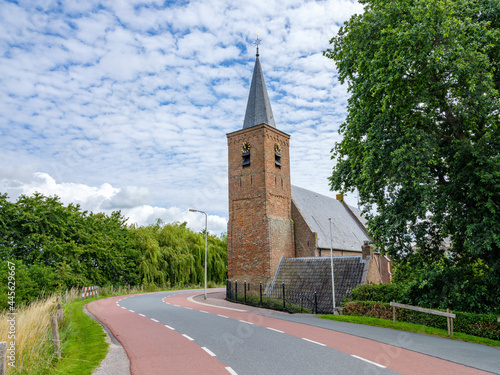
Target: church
(279,232)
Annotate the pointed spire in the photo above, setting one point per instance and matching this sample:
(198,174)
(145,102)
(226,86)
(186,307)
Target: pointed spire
(258,106)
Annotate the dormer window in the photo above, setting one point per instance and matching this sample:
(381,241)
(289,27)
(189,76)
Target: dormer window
(245,153)
(277,155)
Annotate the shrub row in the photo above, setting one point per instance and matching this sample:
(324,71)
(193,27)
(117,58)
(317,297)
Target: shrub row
(482,325)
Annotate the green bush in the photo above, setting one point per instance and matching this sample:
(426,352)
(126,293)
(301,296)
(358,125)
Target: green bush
(376,292)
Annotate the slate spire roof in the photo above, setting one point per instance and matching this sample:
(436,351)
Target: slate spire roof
(258,106)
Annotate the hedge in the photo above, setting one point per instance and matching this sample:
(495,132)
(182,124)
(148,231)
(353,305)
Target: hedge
(482,325)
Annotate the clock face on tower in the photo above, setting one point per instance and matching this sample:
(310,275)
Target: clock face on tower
(245,147)
(277,148)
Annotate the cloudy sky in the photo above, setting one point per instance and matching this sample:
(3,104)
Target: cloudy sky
(125,105)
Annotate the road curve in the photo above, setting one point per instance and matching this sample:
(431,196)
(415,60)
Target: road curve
(169,333)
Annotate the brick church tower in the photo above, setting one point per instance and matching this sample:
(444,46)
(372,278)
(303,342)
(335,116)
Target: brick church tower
(260,227)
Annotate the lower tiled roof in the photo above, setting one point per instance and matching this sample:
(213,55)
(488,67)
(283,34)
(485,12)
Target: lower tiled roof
(304,276)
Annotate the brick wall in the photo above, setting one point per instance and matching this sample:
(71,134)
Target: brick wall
(260,228)
(305,239)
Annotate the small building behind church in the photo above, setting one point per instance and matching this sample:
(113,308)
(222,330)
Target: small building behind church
(278,232)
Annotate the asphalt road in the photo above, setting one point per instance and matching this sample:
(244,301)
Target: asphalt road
(167,333)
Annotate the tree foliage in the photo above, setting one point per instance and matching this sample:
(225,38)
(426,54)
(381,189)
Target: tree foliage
(59,247)
(174,254)
(421,141)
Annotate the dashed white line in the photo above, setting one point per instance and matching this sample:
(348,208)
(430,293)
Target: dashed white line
(231,371)
(123,307)
(273,329)
(205,312)
(140,314)
(172,328)
(189,308)
(134,311)
(222,316)
(314,342)
(189,338)
(363,359)
(154,320)
(208,351)
(244,321)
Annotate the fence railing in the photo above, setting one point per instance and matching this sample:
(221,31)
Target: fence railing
(448,314)
(88,291)
(292,300)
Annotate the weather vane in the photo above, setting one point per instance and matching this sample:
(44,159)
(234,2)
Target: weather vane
(257,42)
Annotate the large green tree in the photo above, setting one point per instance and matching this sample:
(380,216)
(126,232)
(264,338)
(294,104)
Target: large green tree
(421,141)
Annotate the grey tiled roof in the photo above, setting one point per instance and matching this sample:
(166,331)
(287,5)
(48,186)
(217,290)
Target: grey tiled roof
(347,233)
(304,276)
(258,107)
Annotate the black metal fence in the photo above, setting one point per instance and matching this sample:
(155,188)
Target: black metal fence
(284,297)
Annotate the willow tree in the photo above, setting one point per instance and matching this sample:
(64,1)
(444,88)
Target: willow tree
(421,141)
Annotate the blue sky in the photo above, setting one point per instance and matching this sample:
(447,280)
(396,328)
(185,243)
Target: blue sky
(125,105)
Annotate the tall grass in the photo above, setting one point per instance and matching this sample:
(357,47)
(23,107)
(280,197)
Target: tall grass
(34,349)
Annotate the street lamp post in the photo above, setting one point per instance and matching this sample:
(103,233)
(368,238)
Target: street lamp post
(331,262)
(206,232)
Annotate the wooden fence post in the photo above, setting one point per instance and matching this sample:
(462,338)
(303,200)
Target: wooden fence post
(451,324)
(55,336)
(448,321)
(60,313)
(3,357)
(393,313)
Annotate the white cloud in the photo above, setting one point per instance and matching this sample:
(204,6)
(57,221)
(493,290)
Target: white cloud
(127,103)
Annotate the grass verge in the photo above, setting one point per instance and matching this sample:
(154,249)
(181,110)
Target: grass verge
(409,327)
(83,342)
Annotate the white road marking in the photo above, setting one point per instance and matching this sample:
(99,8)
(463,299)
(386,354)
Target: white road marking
(123,307)
(141,314)
(244,321)
(231,371)
(154,320)
(172,328)
(134,311)
(208,351)
(314,342)
(190,299)
(363,359)
(206,312)
(189,308)
(189,338)
(277,330)
(222,316)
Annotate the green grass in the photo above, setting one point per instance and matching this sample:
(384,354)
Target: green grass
(409,327)
(83,342)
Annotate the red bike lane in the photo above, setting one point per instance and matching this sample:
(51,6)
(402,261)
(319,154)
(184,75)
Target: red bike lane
(151,347)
